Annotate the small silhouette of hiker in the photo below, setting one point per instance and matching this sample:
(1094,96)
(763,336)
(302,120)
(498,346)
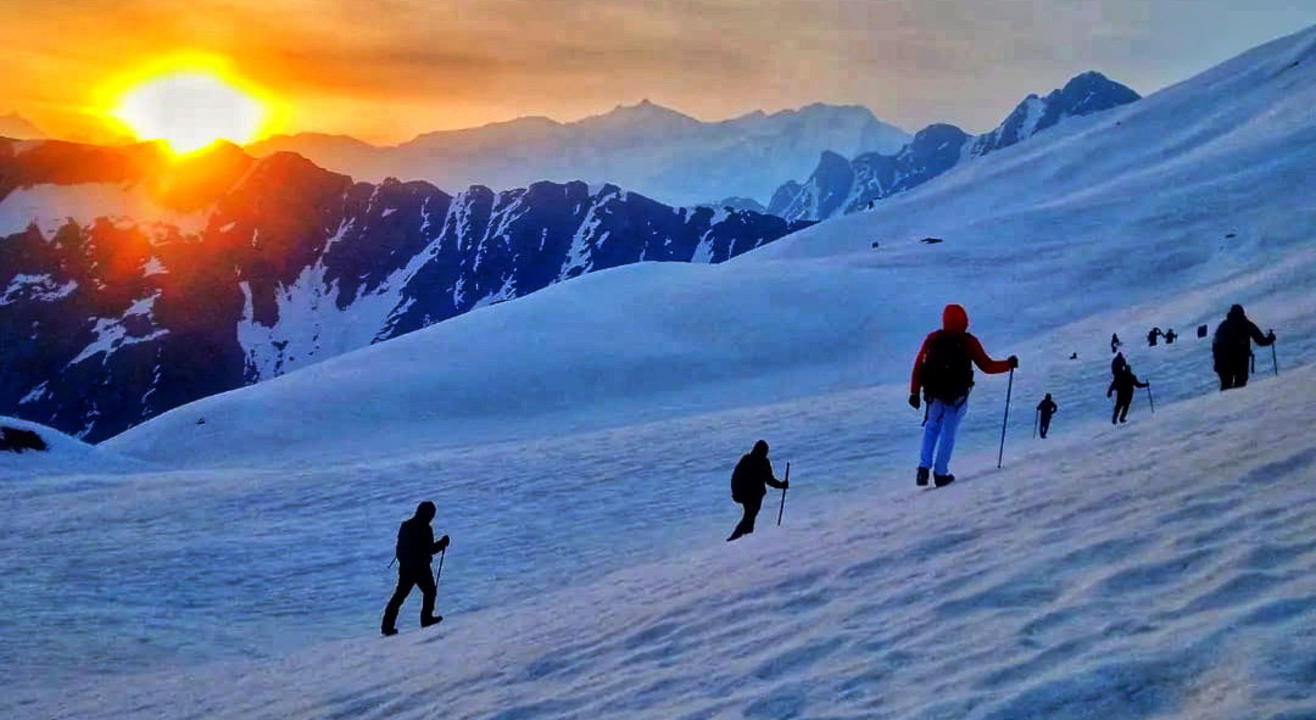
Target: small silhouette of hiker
(1117,364)
(1114,342)
(1232,347)
(749,483)
(1047,408)
(1170,336)
(1073,356)
(1123,384)
(415,550)
(1152,335)
(942,370)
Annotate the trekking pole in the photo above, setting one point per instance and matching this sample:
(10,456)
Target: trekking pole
(1274,361)
(782,509)
(1008,389)
(439,574)
(1150,400)
(1036,415)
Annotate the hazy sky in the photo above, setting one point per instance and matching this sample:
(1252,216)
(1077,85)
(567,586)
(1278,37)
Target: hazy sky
(386,70)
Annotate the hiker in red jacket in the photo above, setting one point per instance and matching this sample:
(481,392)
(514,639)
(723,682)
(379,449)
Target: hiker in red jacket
(943,372)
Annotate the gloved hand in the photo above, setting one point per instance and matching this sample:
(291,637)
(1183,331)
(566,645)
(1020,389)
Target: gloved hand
(785,484)
(1107,393)
(913,400)
(443,543)
(1013,360)
(1271,336)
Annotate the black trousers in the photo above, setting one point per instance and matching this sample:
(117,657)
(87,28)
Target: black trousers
(746,525)
(1122,403)
(407,578)
(1044,426)
(1232,376)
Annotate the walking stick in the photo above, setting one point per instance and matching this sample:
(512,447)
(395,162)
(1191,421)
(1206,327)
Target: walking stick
(782,509)
(439,574)
(1150,400)
(1036,415)
(1274,362)
(1008,389)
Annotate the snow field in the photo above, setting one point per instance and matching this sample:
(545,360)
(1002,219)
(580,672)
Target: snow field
(1153,570)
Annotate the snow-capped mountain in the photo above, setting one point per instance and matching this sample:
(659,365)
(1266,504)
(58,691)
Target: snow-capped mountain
(130,284)
(648,148)
(839,186)
(18,127)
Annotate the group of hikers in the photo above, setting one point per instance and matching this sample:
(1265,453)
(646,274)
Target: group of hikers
(940,383)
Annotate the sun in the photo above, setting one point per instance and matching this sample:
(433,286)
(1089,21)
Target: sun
(190,110)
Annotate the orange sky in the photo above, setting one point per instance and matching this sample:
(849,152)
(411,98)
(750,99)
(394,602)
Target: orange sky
(385,70)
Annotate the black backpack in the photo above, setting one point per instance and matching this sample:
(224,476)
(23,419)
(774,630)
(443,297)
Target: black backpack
(947,373)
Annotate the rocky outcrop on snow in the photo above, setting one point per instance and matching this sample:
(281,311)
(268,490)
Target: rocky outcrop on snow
(839,186)
(131,282)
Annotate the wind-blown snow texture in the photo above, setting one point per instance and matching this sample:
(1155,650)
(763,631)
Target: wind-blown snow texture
(839,186)
(132,285)
(644,147)
(1158,569)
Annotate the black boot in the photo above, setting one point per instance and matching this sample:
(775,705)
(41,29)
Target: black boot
(943,480)
(428,621)
(388,631)
(922,477)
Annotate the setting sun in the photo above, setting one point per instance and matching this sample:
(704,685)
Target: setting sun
(190,110)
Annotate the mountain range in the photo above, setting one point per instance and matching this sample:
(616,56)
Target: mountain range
(18,127)
(839,185)
(133,283)
(645,147)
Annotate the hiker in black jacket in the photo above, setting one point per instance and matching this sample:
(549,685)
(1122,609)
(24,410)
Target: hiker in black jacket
(415,550)
(1123,384)
(749,483)
(1232,347)
(1046,409)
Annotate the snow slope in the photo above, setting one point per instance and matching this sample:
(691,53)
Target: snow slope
(63,455)
(1163,569)
(578,442)
(1052,243)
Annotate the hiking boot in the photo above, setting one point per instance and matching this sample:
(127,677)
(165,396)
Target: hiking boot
(388,632)
(428,621)
(943,480)
(922,477)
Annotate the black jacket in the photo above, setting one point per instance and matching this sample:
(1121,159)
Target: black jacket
(416,546)
(1234,338)
(751,477)
(1047,408)
(1124,383)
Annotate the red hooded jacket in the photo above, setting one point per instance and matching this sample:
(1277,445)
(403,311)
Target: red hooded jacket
(955,320)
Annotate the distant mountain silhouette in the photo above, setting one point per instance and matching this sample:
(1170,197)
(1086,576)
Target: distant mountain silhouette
(648,148)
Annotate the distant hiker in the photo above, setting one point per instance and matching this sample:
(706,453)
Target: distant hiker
(749,483)
(1201,331)
(1170,336)
(1152,335)
(1073,356)
(1232,347)
(415,550)
(1117,364)
(1114,342)
(943,372)
(1122,386)
(1046,408)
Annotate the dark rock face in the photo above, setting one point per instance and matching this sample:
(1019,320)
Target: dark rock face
(840,186)
(131,283)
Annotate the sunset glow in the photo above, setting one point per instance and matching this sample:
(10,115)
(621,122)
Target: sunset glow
(191,110)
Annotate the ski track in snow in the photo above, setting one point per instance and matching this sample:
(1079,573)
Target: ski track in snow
(1161,569)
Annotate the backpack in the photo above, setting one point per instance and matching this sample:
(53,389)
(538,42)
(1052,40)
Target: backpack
(947,372)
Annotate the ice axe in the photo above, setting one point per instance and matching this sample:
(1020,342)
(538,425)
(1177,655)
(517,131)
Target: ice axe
(782,509)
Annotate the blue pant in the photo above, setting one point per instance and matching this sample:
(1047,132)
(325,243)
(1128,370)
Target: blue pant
(939,433)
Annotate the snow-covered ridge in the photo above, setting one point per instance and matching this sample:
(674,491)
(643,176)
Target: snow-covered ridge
(645,147)
(838,186)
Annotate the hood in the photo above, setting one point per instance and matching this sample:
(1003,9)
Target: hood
(1236,313)
(954,319)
